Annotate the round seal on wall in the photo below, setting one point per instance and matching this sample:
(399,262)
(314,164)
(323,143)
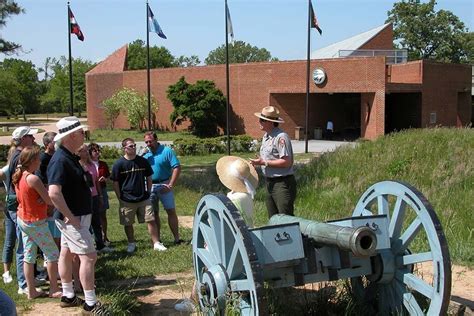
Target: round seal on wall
(319,76)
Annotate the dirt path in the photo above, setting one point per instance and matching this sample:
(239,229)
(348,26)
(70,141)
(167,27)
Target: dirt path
(159,294)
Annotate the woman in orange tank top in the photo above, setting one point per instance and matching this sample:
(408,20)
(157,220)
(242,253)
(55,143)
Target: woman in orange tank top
(33,201)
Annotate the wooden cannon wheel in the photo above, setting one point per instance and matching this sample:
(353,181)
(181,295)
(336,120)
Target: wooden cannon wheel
(226,266)
(416,238)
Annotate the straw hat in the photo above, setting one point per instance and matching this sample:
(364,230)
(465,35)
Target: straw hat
(68,125)
(230,167)
(270,113)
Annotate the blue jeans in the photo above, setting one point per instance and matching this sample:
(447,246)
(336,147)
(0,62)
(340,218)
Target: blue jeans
(10,239)
(12,206)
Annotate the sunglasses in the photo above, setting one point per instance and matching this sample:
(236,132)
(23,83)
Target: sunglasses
(133,146)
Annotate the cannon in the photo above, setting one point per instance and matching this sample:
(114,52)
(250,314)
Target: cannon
(393,249)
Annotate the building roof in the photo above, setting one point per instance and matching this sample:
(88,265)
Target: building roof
(352,43)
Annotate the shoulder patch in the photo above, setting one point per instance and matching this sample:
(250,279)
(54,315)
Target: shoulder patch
(282,142)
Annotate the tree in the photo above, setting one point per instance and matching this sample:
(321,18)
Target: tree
(202,104)
(183,61)
(7,8)
(10,95)
(239,52)
(57,97)
(427,34)
(160,57)
(131,102)
(27,79)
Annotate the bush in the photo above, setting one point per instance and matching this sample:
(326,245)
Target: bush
(4,152)
(206,146)
(110,152)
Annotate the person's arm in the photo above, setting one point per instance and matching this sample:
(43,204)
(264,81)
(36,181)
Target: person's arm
(283,162)
(59,203)
(35,182)
(116,186)
(149,184)
(174,177)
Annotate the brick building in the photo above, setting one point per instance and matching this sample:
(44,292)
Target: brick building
(367,91)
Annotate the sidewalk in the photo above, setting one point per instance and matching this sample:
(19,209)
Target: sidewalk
(314,146)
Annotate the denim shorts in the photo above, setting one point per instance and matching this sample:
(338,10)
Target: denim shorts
(167,199)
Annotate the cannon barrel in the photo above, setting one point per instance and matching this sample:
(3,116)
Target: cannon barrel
(360,240)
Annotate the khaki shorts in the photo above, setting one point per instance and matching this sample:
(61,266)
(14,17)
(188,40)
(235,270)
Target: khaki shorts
(142,210)
(79,241)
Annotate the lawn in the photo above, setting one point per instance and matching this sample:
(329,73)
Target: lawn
(439,162)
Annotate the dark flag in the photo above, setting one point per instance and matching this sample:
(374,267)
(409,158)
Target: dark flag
(153,24)
(75,28)
(314,21)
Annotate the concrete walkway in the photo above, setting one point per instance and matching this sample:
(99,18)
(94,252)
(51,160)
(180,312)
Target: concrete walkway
(314,146)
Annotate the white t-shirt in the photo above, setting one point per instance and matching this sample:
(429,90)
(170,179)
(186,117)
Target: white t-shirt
(244,203)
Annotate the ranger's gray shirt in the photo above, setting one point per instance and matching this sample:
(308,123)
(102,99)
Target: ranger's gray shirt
(276,145)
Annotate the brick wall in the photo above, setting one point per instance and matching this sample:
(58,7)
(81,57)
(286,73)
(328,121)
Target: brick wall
(444,87)
(282,84)
(382,40)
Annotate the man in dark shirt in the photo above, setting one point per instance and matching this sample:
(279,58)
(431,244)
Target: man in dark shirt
(71,196)
(48,142)
(131,175)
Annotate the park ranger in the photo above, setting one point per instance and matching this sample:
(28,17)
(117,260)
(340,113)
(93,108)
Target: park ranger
(276,161)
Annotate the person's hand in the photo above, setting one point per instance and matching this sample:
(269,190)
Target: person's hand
(102,179)
(165,188)
(257,161)
(74,221)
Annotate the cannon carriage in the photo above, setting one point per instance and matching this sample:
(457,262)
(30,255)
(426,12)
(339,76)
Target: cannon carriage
(393,234)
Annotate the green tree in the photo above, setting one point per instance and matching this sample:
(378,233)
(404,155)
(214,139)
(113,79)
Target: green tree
(10,95)
(183,61)
(428,34)
(27,79)
(239,52)
(160,57)
(133,104)
(7,8)
(57,96)
(202,104)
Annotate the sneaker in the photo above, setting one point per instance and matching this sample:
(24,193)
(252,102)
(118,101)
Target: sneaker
(105,250)
(40,282)
(159,246)
(96,309)
(179,242)
(24,291)
(71,302)
(186,305)
(7,277)
(43,276)
(131,247)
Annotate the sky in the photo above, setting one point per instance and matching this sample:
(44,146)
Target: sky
(196,27)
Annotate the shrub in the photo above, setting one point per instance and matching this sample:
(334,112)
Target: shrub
(110,152)
(205,146)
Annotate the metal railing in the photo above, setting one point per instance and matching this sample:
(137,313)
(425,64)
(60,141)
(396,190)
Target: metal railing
(393,56)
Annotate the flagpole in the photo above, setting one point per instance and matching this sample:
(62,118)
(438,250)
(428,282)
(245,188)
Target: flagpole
(71,93)
(148,65)
(307,80)
(227,79)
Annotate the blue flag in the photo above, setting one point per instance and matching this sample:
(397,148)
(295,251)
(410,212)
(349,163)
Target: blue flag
(153,24)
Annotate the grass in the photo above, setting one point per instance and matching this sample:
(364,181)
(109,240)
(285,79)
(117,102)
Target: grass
(107,135)
(439,162)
